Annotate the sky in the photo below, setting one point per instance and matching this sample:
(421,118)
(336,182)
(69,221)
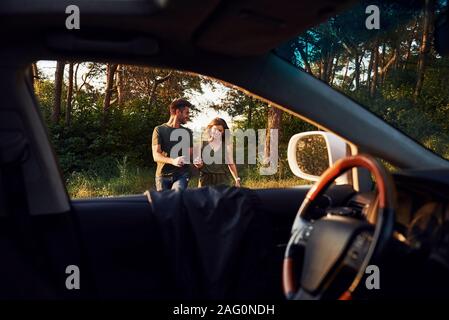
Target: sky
(212,94)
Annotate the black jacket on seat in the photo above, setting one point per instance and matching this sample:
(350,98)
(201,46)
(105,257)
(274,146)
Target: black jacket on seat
(217,243)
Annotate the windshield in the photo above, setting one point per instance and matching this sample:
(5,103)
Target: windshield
(382,55)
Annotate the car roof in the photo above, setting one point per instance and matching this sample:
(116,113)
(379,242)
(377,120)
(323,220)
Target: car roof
(235,28)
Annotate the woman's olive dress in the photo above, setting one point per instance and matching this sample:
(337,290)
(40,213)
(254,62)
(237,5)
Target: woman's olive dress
(215,173)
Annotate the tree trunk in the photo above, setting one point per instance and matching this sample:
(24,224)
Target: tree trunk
(250,116)
(274,122)
(384,63)
(407,54)
(357,72)
(375,70)
(325,67)
(119,85)
(370,68)
(409,46)
(329,67)
(152,95)
(68,110)
(326,63)
(334,69)
(59,75)
(34,73)
(323,71)
(397,61)
(392,62)
(320,69)
(75,77)
(305,58)
(424,48)
(110,72)
(156,82)
(345,77)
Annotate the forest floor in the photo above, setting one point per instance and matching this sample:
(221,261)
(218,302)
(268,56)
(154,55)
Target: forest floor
(137,181)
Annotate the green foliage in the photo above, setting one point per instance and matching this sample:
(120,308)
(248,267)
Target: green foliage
(341,53)
(88,146)
(312,155)
(426,122)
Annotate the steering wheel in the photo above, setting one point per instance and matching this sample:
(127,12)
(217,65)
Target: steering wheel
(333,244)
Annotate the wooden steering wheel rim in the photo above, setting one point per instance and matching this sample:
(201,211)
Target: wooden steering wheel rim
(384,219)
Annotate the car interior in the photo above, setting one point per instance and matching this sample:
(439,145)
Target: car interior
(397,220)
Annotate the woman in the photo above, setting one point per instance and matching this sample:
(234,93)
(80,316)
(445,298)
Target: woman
(217,161)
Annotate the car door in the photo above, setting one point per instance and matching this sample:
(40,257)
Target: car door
(123,245)
(97,247)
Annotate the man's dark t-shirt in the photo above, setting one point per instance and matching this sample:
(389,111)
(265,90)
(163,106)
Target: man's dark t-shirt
(161,135)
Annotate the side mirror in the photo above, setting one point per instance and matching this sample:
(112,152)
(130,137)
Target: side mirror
(311,153)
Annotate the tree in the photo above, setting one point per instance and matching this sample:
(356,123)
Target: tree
(110,72)
(427,21)
(156,88)
(305,59)
(392,62)
(68,111)
(34,73)
(375,67)
(59,75)
(273,123)
(409,43)
(156,82)
(119,85)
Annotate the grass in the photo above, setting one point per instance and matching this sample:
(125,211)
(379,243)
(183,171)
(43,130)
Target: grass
(82,185)
(273,183)
(137,181)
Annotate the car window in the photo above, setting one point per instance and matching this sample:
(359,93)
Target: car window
(382,55)
(101,119)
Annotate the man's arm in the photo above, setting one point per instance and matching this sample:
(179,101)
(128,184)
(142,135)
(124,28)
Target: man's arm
(158,156)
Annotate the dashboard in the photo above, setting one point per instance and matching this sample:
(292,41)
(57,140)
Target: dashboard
(422,206)
(420,246)
(421,251)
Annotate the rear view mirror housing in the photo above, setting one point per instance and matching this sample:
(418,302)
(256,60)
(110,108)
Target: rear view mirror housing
(311,153)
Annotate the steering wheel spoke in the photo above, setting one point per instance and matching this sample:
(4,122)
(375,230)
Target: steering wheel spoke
(358,250)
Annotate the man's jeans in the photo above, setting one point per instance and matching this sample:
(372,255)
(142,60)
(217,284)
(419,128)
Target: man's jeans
(175,182)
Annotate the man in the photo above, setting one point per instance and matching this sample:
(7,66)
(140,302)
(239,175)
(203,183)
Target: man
(172,148)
